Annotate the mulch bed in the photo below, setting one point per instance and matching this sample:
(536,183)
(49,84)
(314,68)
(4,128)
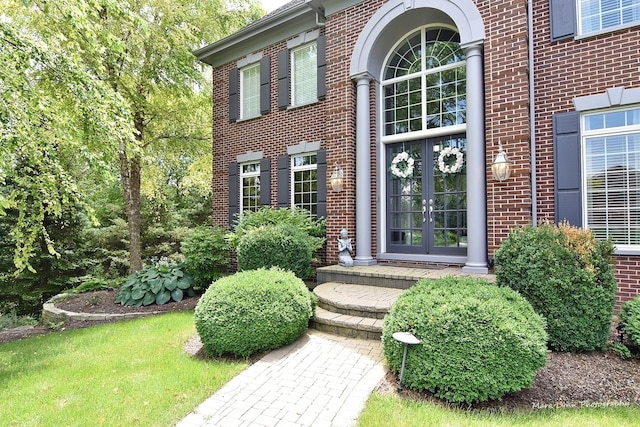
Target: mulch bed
(568,380)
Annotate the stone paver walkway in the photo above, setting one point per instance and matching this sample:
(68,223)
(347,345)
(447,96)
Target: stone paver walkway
(320,380)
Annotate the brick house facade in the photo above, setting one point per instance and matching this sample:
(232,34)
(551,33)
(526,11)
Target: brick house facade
(425,77)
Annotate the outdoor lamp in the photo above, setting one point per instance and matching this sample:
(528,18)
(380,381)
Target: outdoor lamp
(336,178)
(501,166)
(406,338)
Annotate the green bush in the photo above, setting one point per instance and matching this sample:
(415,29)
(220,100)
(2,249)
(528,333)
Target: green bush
(299,218)
(158,284)
(206,254)
(567,276)
(253,311)
(281,245)
(630,320)
(478,341)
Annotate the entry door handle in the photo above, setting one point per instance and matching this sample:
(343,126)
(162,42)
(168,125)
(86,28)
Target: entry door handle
(430,210)
(424,210)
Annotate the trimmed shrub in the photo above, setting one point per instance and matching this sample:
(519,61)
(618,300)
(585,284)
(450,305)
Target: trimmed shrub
(478,341)
(299,218)
(630,320)
(253,311)
(206,254)
(280,245)
(158,284)
(567,276)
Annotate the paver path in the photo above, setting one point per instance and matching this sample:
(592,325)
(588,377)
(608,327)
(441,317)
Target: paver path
(319,380)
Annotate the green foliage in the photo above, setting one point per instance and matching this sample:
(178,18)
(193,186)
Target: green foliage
(23,290)
(206,254)
(630,320)
(299,218)
(566,274)
(478,341)
(282,245)
(11,320)
(158,284)
(253,311)
(621,350)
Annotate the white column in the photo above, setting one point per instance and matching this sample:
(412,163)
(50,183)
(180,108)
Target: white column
(363,172)
(476,169)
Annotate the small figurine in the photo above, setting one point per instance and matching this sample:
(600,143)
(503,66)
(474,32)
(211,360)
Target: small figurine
(344,246)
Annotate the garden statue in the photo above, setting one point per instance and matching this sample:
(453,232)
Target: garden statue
(344,246)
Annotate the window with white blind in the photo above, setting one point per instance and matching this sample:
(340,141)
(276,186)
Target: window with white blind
(250,91)
(249,186)
(304,182)
(598,15)
(304,71)
(611,153)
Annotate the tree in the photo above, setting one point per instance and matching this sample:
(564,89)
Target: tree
(96,79)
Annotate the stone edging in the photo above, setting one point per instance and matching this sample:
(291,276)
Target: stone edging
(52,314)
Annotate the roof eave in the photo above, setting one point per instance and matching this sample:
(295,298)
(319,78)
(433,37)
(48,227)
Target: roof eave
(258,35)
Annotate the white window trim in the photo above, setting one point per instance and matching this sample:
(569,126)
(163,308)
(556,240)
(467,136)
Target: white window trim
(619,249)
(243,175)
(424,133)
(293,169)
(582,34)
(241,91)
(292,61)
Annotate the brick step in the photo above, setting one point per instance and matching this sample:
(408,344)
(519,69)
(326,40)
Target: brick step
(346,325)
(356,300)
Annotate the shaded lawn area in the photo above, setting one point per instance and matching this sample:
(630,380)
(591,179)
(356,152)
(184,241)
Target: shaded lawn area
(118,374)
(387,410)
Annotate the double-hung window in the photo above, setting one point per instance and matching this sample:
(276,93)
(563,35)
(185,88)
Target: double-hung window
(304,71)
(249,186)
(611,155)
(304,182)
(598,15)
(250,91)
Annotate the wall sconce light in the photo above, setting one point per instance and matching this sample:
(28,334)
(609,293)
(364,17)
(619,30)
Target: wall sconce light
(336,178)
(501,166)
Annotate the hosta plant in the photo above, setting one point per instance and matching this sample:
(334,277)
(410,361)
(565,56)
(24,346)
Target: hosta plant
(157,284)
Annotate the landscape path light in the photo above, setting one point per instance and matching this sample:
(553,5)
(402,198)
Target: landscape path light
(406,338)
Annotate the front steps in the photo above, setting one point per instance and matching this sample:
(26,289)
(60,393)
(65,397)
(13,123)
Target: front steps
(353,301)
(352,310)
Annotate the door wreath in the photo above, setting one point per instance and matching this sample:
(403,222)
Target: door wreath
(445,163)
(402,165)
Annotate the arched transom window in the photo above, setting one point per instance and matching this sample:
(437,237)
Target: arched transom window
(424,84)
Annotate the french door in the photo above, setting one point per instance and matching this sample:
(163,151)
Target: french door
(426,202)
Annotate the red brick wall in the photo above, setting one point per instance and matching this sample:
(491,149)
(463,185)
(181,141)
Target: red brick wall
(563,70)
(506,115)
(571,68)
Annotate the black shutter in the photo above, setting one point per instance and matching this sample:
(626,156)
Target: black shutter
(322,183)
(283,181)
(265,85)
(563,19)
(234,192)
(283,79)
(265,182)
(234,93)
(567,168)
(322,67)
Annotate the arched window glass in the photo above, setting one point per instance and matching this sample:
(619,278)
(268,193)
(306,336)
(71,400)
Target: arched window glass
(424,83)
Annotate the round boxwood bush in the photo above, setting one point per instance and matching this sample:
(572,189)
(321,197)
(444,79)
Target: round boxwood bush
(253,311)
(478,341)
(567,276)
(630,320)
(279,245)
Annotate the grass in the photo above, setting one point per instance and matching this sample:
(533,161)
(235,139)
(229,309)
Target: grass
(120,374)
(390,411)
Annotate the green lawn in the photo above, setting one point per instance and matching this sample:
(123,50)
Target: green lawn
(121,374)
(390,411)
